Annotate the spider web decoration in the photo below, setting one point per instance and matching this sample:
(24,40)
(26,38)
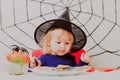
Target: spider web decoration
(99,19)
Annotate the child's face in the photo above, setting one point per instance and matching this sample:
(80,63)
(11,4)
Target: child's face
(60,43)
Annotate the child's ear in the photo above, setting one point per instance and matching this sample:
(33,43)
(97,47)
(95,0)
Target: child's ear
(37,53)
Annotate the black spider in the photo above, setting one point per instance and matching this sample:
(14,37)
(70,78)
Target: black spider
(17,48)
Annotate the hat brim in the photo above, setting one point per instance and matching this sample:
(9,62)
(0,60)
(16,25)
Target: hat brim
(80,37)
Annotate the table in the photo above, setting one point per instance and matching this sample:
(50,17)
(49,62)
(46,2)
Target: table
(97,75)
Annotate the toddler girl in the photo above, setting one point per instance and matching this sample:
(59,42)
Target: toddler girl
(60,39)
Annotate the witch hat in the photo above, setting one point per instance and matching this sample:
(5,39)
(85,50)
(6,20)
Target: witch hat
(63,22)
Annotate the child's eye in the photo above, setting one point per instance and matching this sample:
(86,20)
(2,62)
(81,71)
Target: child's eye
(58,42)
(67,43)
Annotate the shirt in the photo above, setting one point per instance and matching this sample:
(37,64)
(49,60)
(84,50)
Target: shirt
(55,60)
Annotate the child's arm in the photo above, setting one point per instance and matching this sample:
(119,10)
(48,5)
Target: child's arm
(85,57)
(34,60)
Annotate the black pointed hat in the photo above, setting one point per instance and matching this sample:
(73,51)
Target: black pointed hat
(62,22)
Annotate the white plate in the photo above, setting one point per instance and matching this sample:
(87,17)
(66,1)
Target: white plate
(58,73)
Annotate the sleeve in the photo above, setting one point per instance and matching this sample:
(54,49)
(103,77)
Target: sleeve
(77,55)
(37,53)
(42,60)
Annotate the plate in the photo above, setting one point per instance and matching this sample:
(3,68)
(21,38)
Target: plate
(55,72)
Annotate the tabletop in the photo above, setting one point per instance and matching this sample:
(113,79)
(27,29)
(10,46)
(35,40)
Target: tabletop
(96,75)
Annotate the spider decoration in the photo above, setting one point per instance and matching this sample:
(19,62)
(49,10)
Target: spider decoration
(17,48)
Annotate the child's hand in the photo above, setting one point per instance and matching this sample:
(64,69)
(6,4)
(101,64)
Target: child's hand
(85,58)
(34,62)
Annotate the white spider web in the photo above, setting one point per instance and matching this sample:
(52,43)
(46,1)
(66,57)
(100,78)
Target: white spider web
(99,19)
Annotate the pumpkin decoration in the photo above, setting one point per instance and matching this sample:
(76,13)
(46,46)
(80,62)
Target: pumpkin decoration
(18,55)
(18,60)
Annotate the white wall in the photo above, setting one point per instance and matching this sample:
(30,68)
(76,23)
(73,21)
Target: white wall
(19,19)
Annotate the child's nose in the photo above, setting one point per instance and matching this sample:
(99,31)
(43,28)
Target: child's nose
(62,45)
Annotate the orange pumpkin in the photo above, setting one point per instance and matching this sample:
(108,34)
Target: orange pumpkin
(18,56)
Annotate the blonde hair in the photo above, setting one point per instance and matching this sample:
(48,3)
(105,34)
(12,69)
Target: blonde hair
(45,41)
